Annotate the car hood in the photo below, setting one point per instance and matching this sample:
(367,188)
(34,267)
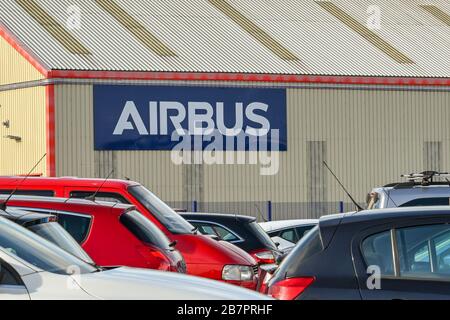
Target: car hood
(144,284)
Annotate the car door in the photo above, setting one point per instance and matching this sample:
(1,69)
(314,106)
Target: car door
(11,284)
(409,260)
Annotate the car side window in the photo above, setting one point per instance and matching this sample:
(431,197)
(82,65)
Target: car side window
(38,193)
(289,235)
(215,230)
(100,196)
(78,226)
(302,231)
(7,277)
(424,251)
(377,251)
(225,234)
(204,228)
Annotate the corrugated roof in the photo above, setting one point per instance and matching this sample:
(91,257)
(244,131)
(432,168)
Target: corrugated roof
(205,39)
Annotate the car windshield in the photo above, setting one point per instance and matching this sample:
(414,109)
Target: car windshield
(262,236)
(161,211)
(38,251)
(53,232)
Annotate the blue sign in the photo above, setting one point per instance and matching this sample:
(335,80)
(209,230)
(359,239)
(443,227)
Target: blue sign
(128,117)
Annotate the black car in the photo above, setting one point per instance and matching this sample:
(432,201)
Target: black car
(242,231)
(387,254)
(47,227)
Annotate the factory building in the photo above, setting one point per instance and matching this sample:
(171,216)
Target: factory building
(268,89)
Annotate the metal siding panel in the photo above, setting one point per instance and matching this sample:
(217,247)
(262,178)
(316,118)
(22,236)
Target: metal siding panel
(372,136)
(200,35)
(20,157)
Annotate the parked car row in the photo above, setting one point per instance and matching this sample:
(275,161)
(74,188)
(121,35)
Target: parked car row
(102,237)
(398,249)
(32,267)
(112,224)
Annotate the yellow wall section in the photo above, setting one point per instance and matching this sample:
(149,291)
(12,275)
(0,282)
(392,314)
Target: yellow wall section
(25,109)
(13,67)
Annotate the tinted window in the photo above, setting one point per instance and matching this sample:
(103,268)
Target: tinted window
(38,193)
(20,242)
(144,229)
(77,226)
(427,202)
(100,196)
(424,251)
(377,251)
(307,247)
(161,211)
(7,278)
(302,231)
(262,236)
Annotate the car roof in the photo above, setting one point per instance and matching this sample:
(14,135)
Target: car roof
(64,181)
(75,201)
(22,216)
(217,217)
(283,224)
(390,213)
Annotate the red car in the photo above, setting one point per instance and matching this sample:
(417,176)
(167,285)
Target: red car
(112,234)
(204,256)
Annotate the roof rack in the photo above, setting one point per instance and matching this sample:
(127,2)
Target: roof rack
(425,178)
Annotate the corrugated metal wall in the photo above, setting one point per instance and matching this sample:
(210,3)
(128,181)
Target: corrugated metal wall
(25,111)
(369,137)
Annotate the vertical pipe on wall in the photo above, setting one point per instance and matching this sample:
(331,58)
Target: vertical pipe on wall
(269,210)
(50,129)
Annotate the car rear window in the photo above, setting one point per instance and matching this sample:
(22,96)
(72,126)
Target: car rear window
(427,202)
(308,246)
(78,226)
(143,229)
(262,236)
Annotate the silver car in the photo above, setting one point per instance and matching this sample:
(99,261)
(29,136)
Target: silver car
(427,188)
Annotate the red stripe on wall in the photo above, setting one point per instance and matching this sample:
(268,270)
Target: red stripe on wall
(50,128)
(270,78)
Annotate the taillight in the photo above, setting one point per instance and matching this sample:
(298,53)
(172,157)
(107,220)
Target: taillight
(264,257)
(289,289)
(155,259)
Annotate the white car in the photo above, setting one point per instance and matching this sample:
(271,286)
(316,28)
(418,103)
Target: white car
(286,233)
(32,268)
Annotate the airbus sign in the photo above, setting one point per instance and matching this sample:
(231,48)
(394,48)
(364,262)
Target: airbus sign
(159,117)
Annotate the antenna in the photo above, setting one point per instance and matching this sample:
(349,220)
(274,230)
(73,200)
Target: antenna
(259,212)
(92,197)
(342,186)
(3,205)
